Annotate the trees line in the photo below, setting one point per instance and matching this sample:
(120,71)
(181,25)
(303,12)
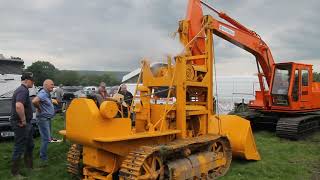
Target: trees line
(316,77)
(43,70)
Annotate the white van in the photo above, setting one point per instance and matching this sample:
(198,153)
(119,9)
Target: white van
(90,89)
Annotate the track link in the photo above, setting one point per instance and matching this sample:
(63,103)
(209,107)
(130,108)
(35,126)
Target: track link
(297,127)
(74,161)
(131,167)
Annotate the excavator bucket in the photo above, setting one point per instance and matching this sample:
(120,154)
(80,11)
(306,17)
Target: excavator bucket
(238,130)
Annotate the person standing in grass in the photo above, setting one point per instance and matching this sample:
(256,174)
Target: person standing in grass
(45,112)
(59,97)
(21,115)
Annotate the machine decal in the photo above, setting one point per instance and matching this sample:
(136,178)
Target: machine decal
(226,30)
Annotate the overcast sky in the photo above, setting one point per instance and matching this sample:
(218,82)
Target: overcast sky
(116,34)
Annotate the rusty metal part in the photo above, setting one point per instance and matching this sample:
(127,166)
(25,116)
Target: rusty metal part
(74,160)
(194,166)
(186,152)
(210,157)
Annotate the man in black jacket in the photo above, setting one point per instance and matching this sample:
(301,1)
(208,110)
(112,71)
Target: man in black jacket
(21,115)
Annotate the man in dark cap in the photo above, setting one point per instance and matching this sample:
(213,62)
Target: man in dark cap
(21,115)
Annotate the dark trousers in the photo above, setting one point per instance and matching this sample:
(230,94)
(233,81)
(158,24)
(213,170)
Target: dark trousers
(23,141)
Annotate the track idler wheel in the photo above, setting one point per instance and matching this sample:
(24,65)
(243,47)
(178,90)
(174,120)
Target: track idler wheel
(152,168)
(143,163)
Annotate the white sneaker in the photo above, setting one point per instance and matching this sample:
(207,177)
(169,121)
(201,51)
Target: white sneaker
(56,140)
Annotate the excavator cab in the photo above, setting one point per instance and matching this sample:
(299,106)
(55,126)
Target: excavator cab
(291,86)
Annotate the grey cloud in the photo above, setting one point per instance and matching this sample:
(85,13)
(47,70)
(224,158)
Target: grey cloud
(115,35)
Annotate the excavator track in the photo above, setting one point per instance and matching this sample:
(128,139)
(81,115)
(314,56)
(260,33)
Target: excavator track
(74,160)
(297,127)
(170,161)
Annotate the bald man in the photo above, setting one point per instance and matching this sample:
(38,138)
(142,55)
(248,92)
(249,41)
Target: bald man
(45,112)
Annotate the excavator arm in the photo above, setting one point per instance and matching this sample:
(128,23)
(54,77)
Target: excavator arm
(251,43)
(235,33)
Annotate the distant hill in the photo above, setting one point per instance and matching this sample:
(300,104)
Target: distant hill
(116,74)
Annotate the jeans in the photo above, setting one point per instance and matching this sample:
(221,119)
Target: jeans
(23,141)
(44,129)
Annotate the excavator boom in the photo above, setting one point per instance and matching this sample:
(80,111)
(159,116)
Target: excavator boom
(235,33)
(229,19)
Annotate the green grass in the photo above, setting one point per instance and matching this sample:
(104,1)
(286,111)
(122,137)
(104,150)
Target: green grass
(56,157)
(281,159)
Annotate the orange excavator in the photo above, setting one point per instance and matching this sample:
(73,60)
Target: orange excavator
(289,98)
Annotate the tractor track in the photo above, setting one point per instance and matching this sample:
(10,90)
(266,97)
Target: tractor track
(134,161)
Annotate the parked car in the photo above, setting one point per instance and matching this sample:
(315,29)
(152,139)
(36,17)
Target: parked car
(69,92)
(90,90)
(5,112)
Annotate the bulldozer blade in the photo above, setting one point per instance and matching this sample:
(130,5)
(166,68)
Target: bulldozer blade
(239,132)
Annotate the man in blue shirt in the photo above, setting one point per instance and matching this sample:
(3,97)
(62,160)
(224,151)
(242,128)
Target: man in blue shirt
(21,115)
(45,112)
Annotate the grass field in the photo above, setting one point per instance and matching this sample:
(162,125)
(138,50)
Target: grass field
(281,159)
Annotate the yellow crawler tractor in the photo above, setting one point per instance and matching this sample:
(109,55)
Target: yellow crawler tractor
(180,139)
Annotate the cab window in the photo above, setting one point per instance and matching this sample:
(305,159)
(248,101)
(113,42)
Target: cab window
(305,77)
